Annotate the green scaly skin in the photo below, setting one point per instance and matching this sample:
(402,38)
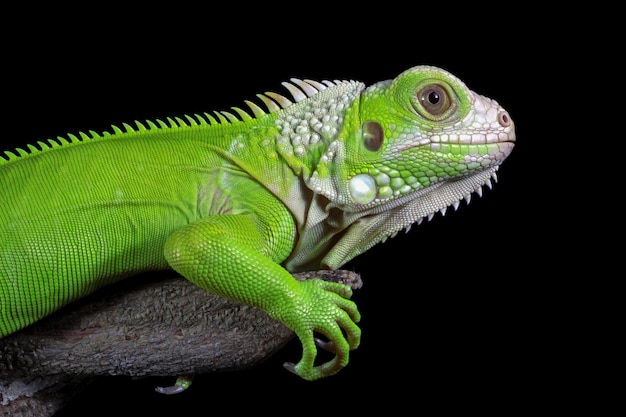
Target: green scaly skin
(237,201)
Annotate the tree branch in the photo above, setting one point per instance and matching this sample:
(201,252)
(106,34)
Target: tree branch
(149,326)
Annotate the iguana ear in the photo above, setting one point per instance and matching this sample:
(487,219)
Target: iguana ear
(373,135)
(341,178)
(362,187)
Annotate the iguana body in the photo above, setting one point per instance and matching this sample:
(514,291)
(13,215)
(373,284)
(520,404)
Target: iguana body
(236,201)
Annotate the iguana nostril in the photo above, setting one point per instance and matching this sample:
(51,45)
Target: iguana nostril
(504,119)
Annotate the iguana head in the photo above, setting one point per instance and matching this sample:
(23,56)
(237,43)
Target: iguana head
(409,148)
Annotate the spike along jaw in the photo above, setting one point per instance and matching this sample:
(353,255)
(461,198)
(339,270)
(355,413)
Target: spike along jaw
(424,142)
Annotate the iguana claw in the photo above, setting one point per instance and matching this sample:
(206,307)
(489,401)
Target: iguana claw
(327,346)
(291,367)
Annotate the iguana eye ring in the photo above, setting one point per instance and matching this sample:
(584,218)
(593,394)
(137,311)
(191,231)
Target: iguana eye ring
(434,99)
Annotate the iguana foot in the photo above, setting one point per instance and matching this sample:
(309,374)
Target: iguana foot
(325,309)
(182,383)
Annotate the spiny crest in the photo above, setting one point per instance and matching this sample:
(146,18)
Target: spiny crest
(299,90)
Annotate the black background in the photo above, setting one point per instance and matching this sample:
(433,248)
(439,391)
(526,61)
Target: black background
(450,311)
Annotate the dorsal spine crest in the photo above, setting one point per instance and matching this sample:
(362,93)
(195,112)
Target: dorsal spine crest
(299,90)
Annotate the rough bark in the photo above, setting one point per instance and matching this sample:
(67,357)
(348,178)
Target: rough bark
(163,326)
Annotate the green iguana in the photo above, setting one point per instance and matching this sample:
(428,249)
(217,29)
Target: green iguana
(237,201)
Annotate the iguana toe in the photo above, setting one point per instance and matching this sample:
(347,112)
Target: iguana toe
(182,383)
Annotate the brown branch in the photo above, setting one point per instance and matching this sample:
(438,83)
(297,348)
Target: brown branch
(154,327)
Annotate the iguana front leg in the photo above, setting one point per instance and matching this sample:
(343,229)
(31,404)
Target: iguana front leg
(237,256)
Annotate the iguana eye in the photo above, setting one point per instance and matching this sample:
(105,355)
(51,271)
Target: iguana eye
(434,99)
